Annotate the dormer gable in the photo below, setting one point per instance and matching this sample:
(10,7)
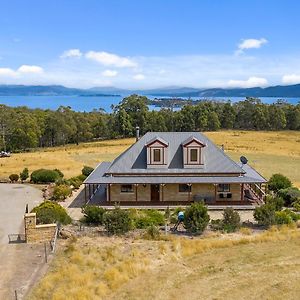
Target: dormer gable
(193,153)
(157,153)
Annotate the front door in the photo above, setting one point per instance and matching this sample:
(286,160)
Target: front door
(154,192)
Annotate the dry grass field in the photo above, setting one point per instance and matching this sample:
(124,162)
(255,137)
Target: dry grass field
(269,152)
(235,266)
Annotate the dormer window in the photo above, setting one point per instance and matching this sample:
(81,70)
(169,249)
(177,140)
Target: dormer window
(193,153)
(157,153)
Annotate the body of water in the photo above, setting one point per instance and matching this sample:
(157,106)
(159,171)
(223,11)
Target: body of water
(78,103)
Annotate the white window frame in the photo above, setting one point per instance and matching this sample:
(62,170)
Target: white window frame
(152,162)
(198,161)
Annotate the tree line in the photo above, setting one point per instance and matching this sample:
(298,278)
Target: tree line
(22,128)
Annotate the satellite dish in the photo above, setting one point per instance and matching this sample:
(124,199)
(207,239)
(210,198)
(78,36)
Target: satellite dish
(243,160)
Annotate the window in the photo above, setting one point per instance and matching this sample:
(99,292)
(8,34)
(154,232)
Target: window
(185,188)
(156,155)
(194,155)
(126,188)
(225,187)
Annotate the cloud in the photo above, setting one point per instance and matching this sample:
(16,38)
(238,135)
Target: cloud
(7,72)
(291,79)
(26,69)
(110,59)
(250,82)
(76,53)
(109,73)
(139,77)
(250,44)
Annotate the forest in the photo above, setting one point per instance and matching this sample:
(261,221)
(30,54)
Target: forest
(22,128)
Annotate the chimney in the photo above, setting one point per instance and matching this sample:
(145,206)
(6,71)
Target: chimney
(137,133)
(222,147)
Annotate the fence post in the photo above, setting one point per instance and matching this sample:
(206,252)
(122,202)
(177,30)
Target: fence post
(45,247)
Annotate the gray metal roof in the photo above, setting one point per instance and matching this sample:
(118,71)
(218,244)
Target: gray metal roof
(99,176)
(134,161)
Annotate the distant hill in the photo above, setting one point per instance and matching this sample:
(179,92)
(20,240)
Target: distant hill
(291,91)
(272,91)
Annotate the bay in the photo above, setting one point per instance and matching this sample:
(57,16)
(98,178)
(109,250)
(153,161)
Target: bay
(83,103)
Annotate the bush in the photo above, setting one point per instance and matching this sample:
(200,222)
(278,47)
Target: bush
(295,217)
(59,172)
(152,233)
(282,217)
(289,195)
(61,192)
(196,218)
(231,220)
(24,174)
(93,214)
(44,176)
(117,221)
(277,202)
(76,182)
(145,218)
(51,212)
(265,214)
(278,182)
(296,205)
(13,177)
(86,171)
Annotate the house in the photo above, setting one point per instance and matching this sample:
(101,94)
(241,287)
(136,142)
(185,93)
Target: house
(174,168)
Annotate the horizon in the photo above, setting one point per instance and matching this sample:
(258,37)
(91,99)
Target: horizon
(142,46)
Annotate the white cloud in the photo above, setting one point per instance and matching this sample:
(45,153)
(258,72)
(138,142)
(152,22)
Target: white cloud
(30,69)
(7,72)
(139,77)
(110,59)
(250,82)
(71,53)
(109,73)
(291,79)
(250,44)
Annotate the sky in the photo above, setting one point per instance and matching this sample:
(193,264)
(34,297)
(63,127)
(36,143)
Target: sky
(150,43)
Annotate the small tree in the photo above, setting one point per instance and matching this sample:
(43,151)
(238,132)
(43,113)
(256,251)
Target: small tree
(277,202)
(13,177)
(278,182)
(289,195)
(86,171)
(117,221)
(24,174)
(196,218)
(231,220)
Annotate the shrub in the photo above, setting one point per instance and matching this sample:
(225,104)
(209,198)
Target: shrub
(13,177)
(145,218)
(278,182)
(296,205)
(196,218)
(265,214)
(282,217)
(277,202)
(24,174)
(93,214)
(231,220)
(152,233)
(44,176)
(61,192)
(117,221)
(59,172)
(289,195)
(295,217)
(76,182)
(51,212)
(86,171)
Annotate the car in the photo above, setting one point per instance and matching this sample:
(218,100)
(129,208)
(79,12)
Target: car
(4,154)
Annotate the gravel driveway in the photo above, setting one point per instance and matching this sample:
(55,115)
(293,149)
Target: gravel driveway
(19,263)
